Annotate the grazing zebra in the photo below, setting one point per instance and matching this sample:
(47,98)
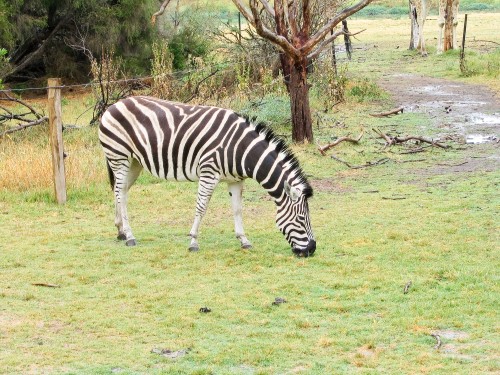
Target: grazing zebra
(207,144)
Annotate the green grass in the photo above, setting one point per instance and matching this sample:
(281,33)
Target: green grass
(377,228)
(346,311)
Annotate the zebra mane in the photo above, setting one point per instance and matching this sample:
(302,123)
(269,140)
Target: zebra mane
(289,157)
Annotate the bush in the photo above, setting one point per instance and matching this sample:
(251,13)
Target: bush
(477,7)
(366,90)
(4,64)
(329,86)
(186,45)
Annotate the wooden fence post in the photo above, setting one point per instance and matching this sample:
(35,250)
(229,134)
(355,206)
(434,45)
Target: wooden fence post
(347,39)
(463,68)
(56,140)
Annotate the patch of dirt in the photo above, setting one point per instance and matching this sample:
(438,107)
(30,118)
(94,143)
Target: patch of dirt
(450,334)
(470,114)
(328,185)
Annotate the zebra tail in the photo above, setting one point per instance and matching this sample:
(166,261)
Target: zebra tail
(111,175)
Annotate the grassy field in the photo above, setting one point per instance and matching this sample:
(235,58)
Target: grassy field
(419,217)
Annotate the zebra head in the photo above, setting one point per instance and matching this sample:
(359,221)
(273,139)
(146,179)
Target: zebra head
(293,219)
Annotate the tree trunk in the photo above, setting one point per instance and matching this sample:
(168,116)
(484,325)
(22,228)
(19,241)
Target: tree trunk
(299,101)
(448,26)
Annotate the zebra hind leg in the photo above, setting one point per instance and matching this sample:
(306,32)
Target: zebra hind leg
(126,173)
(236,191)
(208,182)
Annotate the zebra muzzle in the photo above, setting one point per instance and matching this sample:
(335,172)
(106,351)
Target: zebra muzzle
(308,251)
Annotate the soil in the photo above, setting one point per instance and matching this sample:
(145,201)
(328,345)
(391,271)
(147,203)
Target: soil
(469,114)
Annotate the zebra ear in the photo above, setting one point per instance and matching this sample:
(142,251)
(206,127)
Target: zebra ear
(292,192)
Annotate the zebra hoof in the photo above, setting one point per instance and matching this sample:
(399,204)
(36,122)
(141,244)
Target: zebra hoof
(121,237)
(194,248)
(246,246)
(131,242)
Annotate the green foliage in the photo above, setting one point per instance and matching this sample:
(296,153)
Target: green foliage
(186,45)
(482,64)
(382,10)
(4,64)
(186,31)
(87,26)
(161,71)
(365,89)
(329,86)
(6,37)
(476,6)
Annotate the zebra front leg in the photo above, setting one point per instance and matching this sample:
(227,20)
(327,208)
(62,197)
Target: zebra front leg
(236,192)
(125,176)
(206,186)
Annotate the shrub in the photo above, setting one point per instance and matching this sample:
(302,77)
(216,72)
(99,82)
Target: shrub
(366,90)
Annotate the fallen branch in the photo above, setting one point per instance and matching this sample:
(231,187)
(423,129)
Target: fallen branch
(394,198)
(407,287)
(323,149)
(366,165)
(24,126)
(390,140)
(438,340)
(452,165)
(487,41)
(394,111)
(46,285)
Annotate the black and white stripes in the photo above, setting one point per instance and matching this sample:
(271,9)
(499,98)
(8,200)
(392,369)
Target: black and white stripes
(207,144)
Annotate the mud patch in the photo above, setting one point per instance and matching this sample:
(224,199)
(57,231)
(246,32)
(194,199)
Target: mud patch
(464,108)
(477,139)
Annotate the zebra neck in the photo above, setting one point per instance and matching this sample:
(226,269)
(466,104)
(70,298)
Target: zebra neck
(272,175)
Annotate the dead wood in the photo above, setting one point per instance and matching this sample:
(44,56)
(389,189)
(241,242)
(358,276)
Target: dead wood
(407,287)
(347,138)
(9,98)
(391,141)
(366,165)
(394,111)
(394,198)
(452,165)
(438,341)
(46,285)
(25,126)
(198,85)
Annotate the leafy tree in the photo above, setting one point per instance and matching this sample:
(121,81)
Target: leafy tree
(52,36)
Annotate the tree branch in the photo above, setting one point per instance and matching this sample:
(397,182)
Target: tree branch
(306,14)
(24,126)
(243,10)
(390,141)
(322,32)
(197,88)
(292,19)
(39,51)
(268,7)
(160,11)
(264,32)
(394,111)
(323,149)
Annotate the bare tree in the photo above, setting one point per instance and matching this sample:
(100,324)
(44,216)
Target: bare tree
(288,24)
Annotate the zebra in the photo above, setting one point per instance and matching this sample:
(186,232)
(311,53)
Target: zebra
(181,142)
